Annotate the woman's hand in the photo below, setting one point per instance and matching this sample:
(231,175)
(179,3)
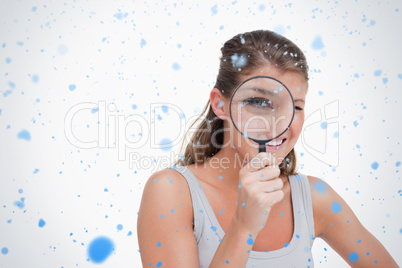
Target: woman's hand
(259,189)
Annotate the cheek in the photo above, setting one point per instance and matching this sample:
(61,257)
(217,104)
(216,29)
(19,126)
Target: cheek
(297,124)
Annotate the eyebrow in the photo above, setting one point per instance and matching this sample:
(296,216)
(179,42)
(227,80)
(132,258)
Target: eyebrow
(299,100)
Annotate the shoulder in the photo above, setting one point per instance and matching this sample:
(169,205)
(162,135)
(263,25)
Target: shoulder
(165,188)
(165,217)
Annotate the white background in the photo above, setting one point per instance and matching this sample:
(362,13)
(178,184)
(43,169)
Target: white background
(147,53)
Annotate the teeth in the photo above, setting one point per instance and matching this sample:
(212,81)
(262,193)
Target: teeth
(275,143)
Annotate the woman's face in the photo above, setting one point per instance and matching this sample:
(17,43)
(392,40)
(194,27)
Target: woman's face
(297,85)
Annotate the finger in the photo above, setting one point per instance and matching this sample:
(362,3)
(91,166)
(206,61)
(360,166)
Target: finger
(267,173)
(261,161)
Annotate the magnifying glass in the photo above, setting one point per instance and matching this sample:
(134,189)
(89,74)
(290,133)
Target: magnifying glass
(262,109)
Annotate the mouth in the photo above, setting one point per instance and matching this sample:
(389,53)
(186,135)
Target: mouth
(276,143)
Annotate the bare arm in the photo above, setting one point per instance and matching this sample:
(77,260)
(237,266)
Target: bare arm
(341,229)
(168,240)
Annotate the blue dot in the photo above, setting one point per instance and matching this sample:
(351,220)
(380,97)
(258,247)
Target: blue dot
(4,251)
(385,80)
(35,78)
(336,207)
(353,257)
(62,49)
(355,123)
(213,228)
(34,8)
(398,163)
(214,10)
(250,241)
(166,144)
(99,249)
(162,216)
(24,135)
(165,109)
(221,27)
(336,134)
(8,60)
(261,7)
(41,223)
(159,264)
(286,244)
(374,165)
(320,187)
(317,43)
(176,66)
(119,227)
(158,244)
(20,191)
(72,87)
(377,72)
(143,42)
(400,76)
(227,262)
(324,125)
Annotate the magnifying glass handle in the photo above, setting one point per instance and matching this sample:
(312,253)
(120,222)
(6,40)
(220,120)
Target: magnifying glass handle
(262,148)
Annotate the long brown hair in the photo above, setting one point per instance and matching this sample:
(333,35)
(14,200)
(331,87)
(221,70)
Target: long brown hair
(256,48)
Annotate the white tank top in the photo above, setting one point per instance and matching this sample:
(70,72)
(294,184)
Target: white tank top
(208,232)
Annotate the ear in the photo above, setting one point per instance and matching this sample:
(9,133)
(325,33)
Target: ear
(218,103)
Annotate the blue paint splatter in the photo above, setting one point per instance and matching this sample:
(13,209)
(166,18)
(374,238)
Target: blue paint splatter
(250,241)
(377,72)
(320,93)
(35,78)
(72,87)
(374,165)
(24,135)
(20,191)
(214,10)
(353,257)
(221,27)
(8,60)
(165,109)
(398,163)
(336,134)
(320,187)
(317,43)
(385,80)
(62,49)
(159,264)
(120,15)
(4,251)
(41,223)
(158,244)
(99,249)
(213,228)
(324,125)
(336,207)
(400,76)
(162,216)
(20,204)
(286,244)
(176,66)
(134,106)
(143,42)
(34,8)
(35,171)
(261,7)
(166,144)
(355,123)
(238,61)
(119,227)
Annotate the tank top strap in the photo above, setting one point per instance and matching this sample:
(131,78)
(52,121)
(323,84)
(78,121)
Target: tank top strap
(197,204)
(305,191)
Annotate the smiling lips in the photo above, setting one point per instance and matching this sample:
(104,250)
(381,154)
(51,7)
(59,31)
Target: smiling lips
(276,143)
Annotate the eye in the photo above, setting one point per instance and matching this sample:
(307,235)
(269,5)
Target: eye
(299,108)
(258,102)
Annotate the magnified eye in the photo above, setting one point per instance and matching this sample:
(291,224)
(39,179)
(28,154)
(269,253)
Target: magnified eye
(258,102)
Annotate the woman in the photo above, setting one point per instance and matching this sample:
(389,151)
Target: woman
(225,205)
